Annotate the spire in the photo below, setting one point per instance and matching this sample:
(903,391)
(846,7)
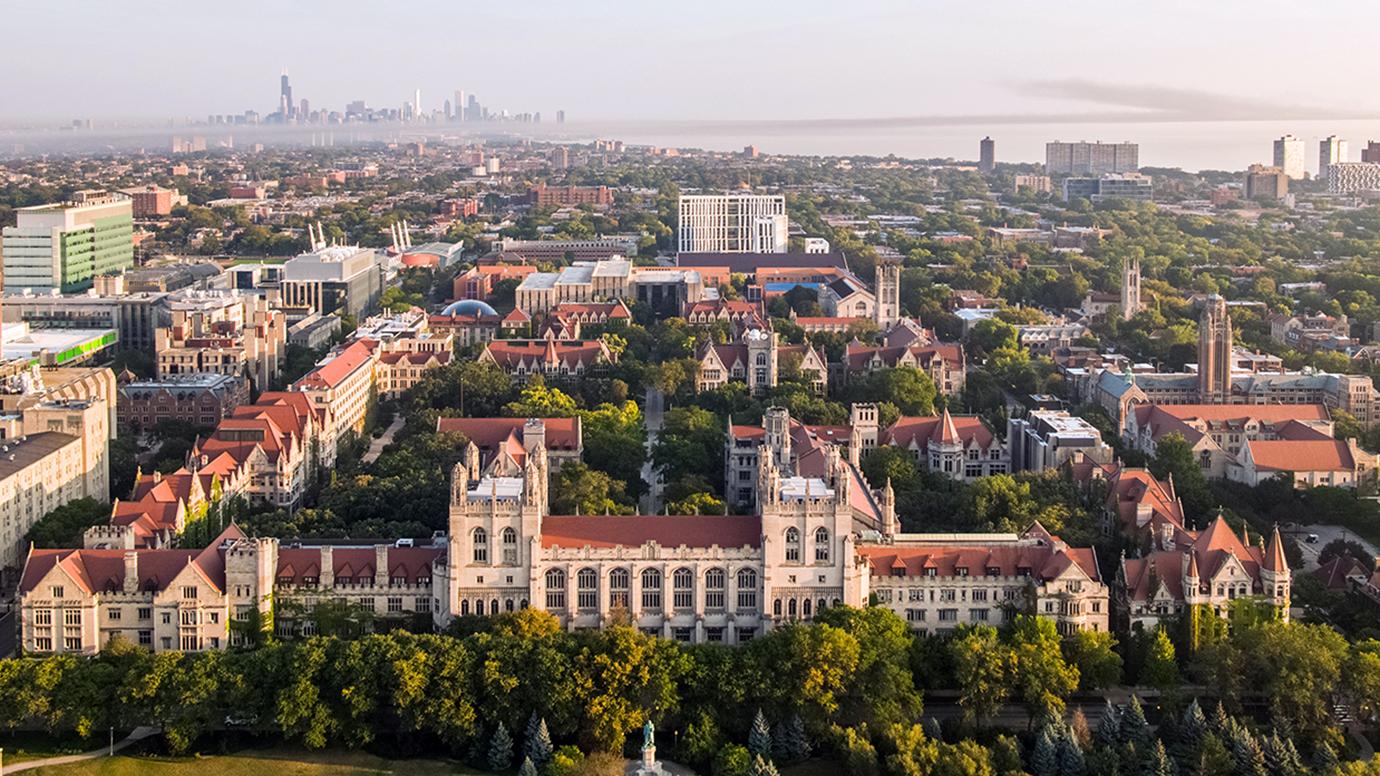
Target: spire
(1274,553)
(948,432)
(1192,566)
(1245,535)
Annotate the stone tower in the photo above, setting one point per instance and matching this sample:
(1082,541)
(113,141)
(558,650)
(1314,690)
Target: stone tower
(761,366)
(1214,352)
(865,431)
(1130,288)
(776,422)
(888,290)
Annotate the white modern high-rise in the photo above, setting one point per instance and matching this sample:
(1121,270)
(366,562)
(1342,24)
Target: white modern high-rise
(1331,150)
(732,223)
(1289,156)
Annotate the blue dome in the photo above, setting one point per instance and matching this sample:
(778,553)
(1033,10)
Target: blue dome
(469,307)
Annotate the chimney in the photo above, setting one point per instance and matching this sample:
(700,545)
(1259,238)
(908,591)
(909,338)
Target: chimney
(327,567)
(131,584)
(381,573)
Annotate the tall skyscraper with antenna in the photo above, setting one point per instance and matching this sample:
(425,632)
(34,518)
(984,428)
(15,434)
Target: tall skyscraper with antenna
(285,105)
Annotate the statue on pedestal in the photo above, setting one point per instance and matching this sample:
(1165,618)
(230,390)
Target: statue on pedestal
(649,766)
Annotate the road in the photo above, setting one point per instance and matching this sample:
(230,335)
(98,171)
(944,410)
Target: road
(376,446)
(653,410)
(1326,534)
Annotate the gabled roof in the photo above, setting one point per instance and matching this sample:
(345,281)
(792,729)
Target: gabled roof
(1291,455)
(344,363)
(917,431)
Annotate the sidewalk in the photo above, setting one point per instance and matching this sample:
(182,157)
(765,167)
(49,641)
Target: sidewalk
(376,446)
(138,734)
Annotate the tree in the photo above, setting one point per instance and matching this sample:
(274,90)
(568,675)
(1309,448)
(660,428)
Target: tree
(910,389)
(1040,671)
(763,767)
(982,669)
(1297,666)
(1071,760)
(1093,653)
(759,738)
(1362,677)
(615,440)
(1157,764)
(1044,758)
(700,503)
(792,744)
(500,749)
(538,744)
(859,755)
(1135,730)
(1213,759)
(539,401)
(1174,457)
(577,489)
(65,525)
(527,769)
(690,444)
(1160,670)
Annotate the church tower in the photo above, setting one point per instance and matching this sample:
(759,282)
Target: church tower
(888,290)
(1214,352)
(1130,288)
(762,364)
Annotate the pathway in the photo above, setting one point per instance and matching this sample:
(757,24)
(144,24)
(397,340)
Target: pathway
(138,734)
(376,446)
(654,407)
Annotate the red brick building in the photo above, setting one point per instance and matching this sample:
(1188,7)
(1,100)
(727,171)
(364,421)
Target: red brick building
(567,196)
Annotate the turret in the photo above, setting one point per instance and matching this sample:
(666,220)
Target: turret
(890,527)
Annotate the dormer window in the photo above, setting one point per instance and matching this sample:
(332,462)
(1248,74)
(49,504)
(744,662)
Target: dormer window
(961,571)
(993,571)
(931,572)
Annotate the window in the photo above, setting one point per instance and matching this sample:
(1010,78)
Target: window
(792,545)
(145,638)
(683,584)
(189,617)
(715,583)
(480,546)
(464,608)
(43,617)
(510,549)
(395,604)
(747,590)
(619,585)
(791,608)
(114,615)
(977,615)
(587,595)
(805,608)
(821,545)
(167,618)
(555,590)
(72,643)
(651,589)
(189,592)
(714,635)
(71,617)
(948,615)
(56,591)
(190,642)
(43,644)
(424,605)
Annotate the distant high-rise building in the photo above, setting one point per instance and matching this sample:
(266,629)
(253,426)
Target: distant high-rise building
(1084,158)
(1331,150)
(1351,177)
(987,156)
(473,110)
(1289,156)
(285,105)
(1266,182)
(447,110)
(1214,352)
(1371,153)
(560,158)
(304,111)
(63,246)
(732,223)
(560,117)
(417,103)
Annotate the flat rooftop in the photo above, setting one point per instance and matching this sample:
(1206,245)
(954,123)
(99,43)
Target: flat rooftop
(56,347)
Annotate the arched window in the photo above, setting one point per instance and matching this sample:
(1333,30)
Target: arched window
(683,583)
(805,608)
(510,547)
(587,593)
(715,585)
(479,606)
(619,584)
(464,608)
(821,545)
(481,547)
(761,359)
(820,606)
(508,605)
(493,606)
(555,590)
(747,591)
(790,608)
(651,590)
(792,545)
(776,607)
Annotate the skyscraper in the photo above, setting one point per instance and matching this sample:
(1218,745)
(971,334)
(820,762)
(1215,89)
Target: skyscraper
(1331,150)
(1371,153)
(285,105)
(1289,156)
(987,156)
(560,117)
(1214,352)
(1085,158)
(417,103)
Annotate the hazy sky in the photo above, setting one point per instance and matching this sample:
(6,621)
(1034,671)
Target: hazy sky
(701,59)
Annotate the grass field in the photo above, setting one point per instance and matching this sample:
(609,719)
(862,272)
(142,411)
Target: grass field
(287,761)
(22,746)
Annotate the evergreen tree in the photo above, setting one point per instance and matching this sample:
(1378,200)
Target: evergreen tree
(795,743)
(1219,721)
(1108,727)
(1276,756)
(1157,763)
(527,769)
(1135,729)
(759,739)
(1292,759)
(1212,756)
(501,749)
(1325,758)
(779,743)
(538,745)
(1245,752)
(932,729)
(763,767)
(1071,761)
(1044,758)
(532,723)
(1193,724)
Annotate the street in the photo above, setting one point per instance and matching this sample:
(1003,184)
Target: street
(1326,534)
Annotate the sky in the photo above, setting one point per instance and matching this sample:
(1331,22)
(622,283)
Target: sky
(759,60)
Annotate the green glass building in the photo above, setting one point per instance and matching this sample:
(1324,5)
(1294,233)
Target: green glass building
(65,245)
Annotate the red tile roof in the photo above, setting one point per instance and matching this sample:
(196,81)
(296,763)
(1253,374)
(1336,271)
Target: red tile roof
(331,374)
(1315,455)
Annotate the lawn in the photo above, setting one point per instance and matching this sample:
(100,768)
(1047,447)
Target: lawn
(287,761)
(20,746)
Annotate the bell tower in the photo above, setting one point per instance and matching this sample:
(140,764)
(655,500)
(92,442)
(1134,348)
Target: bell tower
(888,292)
